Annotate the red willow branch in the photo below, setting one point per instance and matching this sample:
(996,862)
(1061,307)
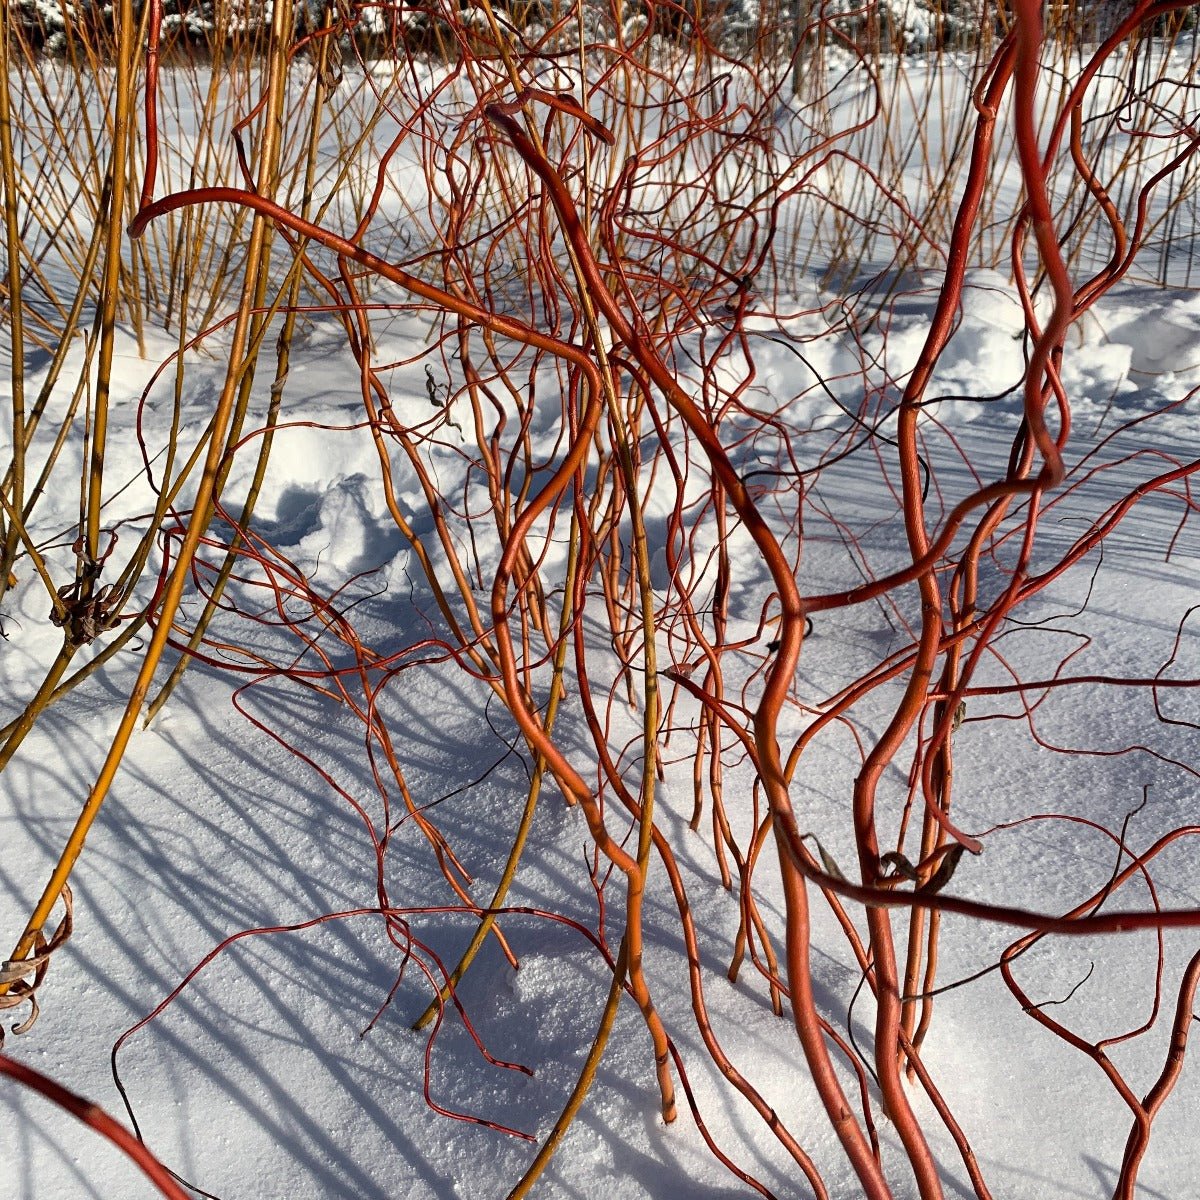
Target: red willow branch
(95,1118)
(569,780)
(774,695)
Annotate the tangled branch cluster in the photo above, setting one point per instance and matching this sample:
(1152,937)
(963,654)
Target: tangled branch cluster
(603,247)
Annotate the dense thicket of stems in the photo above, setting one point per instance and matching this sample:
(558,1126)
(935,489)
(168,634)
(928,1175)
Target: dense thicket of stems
(616,209)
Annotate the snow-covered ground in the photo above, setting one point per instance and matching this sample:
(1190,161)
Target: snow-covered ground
(260,1079)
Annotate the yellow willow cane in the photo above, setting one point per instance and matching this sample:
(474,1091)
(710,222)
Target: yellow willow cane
(206,492)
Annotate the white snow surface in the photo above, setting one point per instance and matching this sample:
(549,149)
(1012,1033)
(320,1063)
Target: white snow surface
(260,1079)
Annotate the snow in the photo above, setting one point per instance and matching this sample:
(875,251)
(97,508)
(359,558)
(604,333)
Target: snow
(282,1069)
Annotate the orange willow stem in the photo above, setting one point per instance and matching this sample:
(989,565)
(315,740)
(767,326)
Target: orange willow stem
(10,529)
(111,284)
